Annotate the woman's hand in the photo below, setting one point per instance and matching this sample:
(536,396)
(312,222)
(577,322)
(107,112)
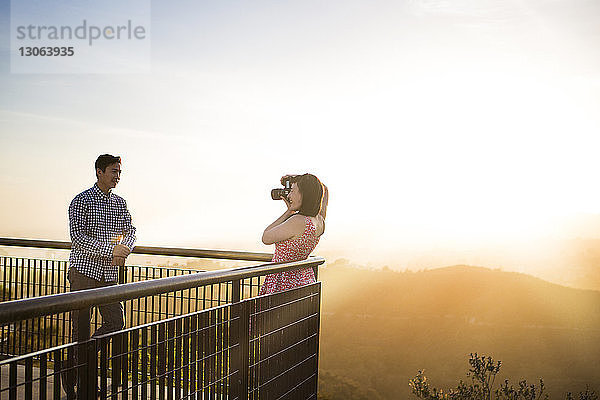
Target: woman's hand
(286,178)
(289,210)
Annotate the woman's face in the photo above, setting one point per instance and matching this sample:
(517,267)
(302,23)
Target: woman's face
(295,197)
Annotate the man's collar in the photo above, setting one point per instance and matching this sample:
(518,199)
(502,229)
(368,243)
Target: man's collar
(99,191)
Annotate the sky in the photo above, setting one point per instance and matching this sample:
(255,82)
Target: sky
(437,125)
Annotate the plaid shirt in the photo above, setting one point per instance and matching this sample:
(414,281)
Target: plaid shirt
(97,223)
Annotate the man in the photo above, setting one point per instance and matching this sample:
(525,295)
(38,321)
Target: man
(102,237)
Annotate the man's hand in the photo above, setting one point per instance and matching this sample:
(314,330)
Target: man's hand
(118,261)
(121,250)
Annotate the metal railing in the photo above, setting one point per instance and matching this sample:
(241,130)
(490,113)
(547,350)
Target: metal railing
(236,345)
(156,251)
(25,278)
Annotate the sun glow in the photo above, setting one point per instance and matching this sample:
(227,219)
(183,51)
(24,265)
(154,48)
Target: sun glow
(433,124)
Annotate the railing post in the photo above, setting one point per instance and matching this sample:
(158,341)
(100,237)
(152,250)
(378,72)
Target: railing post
(117,352)
(240,335)
(317,307)
(83,335)
(244,335)
(235,292)
(122,274)
(91,369)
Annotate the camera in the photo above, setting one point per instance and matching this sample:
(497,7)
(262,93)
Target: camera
(280,193)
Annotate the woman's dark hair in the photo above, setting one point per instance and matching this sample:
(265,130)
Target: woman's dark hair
(311,189)
(105,160)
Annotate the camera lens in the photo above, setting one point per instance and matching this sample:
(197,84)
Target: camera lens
(277,194)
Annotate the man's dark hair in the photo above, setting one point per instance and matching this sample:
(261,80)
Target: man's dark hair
(104,161)
(311,189)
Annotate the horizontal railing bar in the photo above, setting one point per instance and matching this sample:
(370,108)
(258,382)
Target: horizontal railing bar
(170,319)
(263,384)
(308,296)
(16,310)
(297,386)
(20,358)
(149,250)
(136,270)
(280,352)
(284,327)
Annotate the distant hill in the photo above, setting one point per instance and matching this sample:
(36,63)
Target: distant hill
(379,327)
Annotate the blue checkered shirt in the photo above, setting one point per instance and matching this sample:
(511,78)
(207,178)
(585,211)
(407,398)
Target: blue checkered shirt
(97,223)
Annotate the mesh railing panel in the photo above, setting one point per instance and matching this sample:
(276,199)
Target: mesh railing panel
(283,345)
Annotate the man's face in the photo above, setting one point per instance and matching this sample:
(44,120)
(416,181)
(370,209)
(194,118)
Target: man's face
(110,176)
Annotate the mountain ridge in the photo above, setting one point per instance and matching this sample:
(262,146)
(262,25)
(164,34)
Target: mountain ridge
(379,327)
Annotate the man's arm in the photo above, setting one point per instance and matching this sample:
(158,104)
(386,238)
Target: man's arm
(122,250)
(77,228)
(128,230)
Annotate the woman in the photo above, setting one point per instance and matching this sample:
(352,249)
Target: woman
(297,232)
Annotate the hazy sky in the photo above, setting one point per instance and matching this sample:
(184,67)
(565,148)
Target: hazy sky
(434,123)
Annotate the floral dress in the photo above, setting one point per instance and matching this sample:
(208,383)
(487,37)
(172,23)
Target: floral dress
(293,250)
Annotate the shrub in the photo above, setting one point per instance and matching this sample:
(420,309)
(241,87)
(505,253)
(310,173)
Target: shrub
(482,374)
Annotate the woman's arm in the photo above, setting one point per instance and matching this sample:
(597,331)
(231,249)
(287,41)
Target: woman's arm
(284,217)
(284,227)
(287,226)
(324,202)
(323,212)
